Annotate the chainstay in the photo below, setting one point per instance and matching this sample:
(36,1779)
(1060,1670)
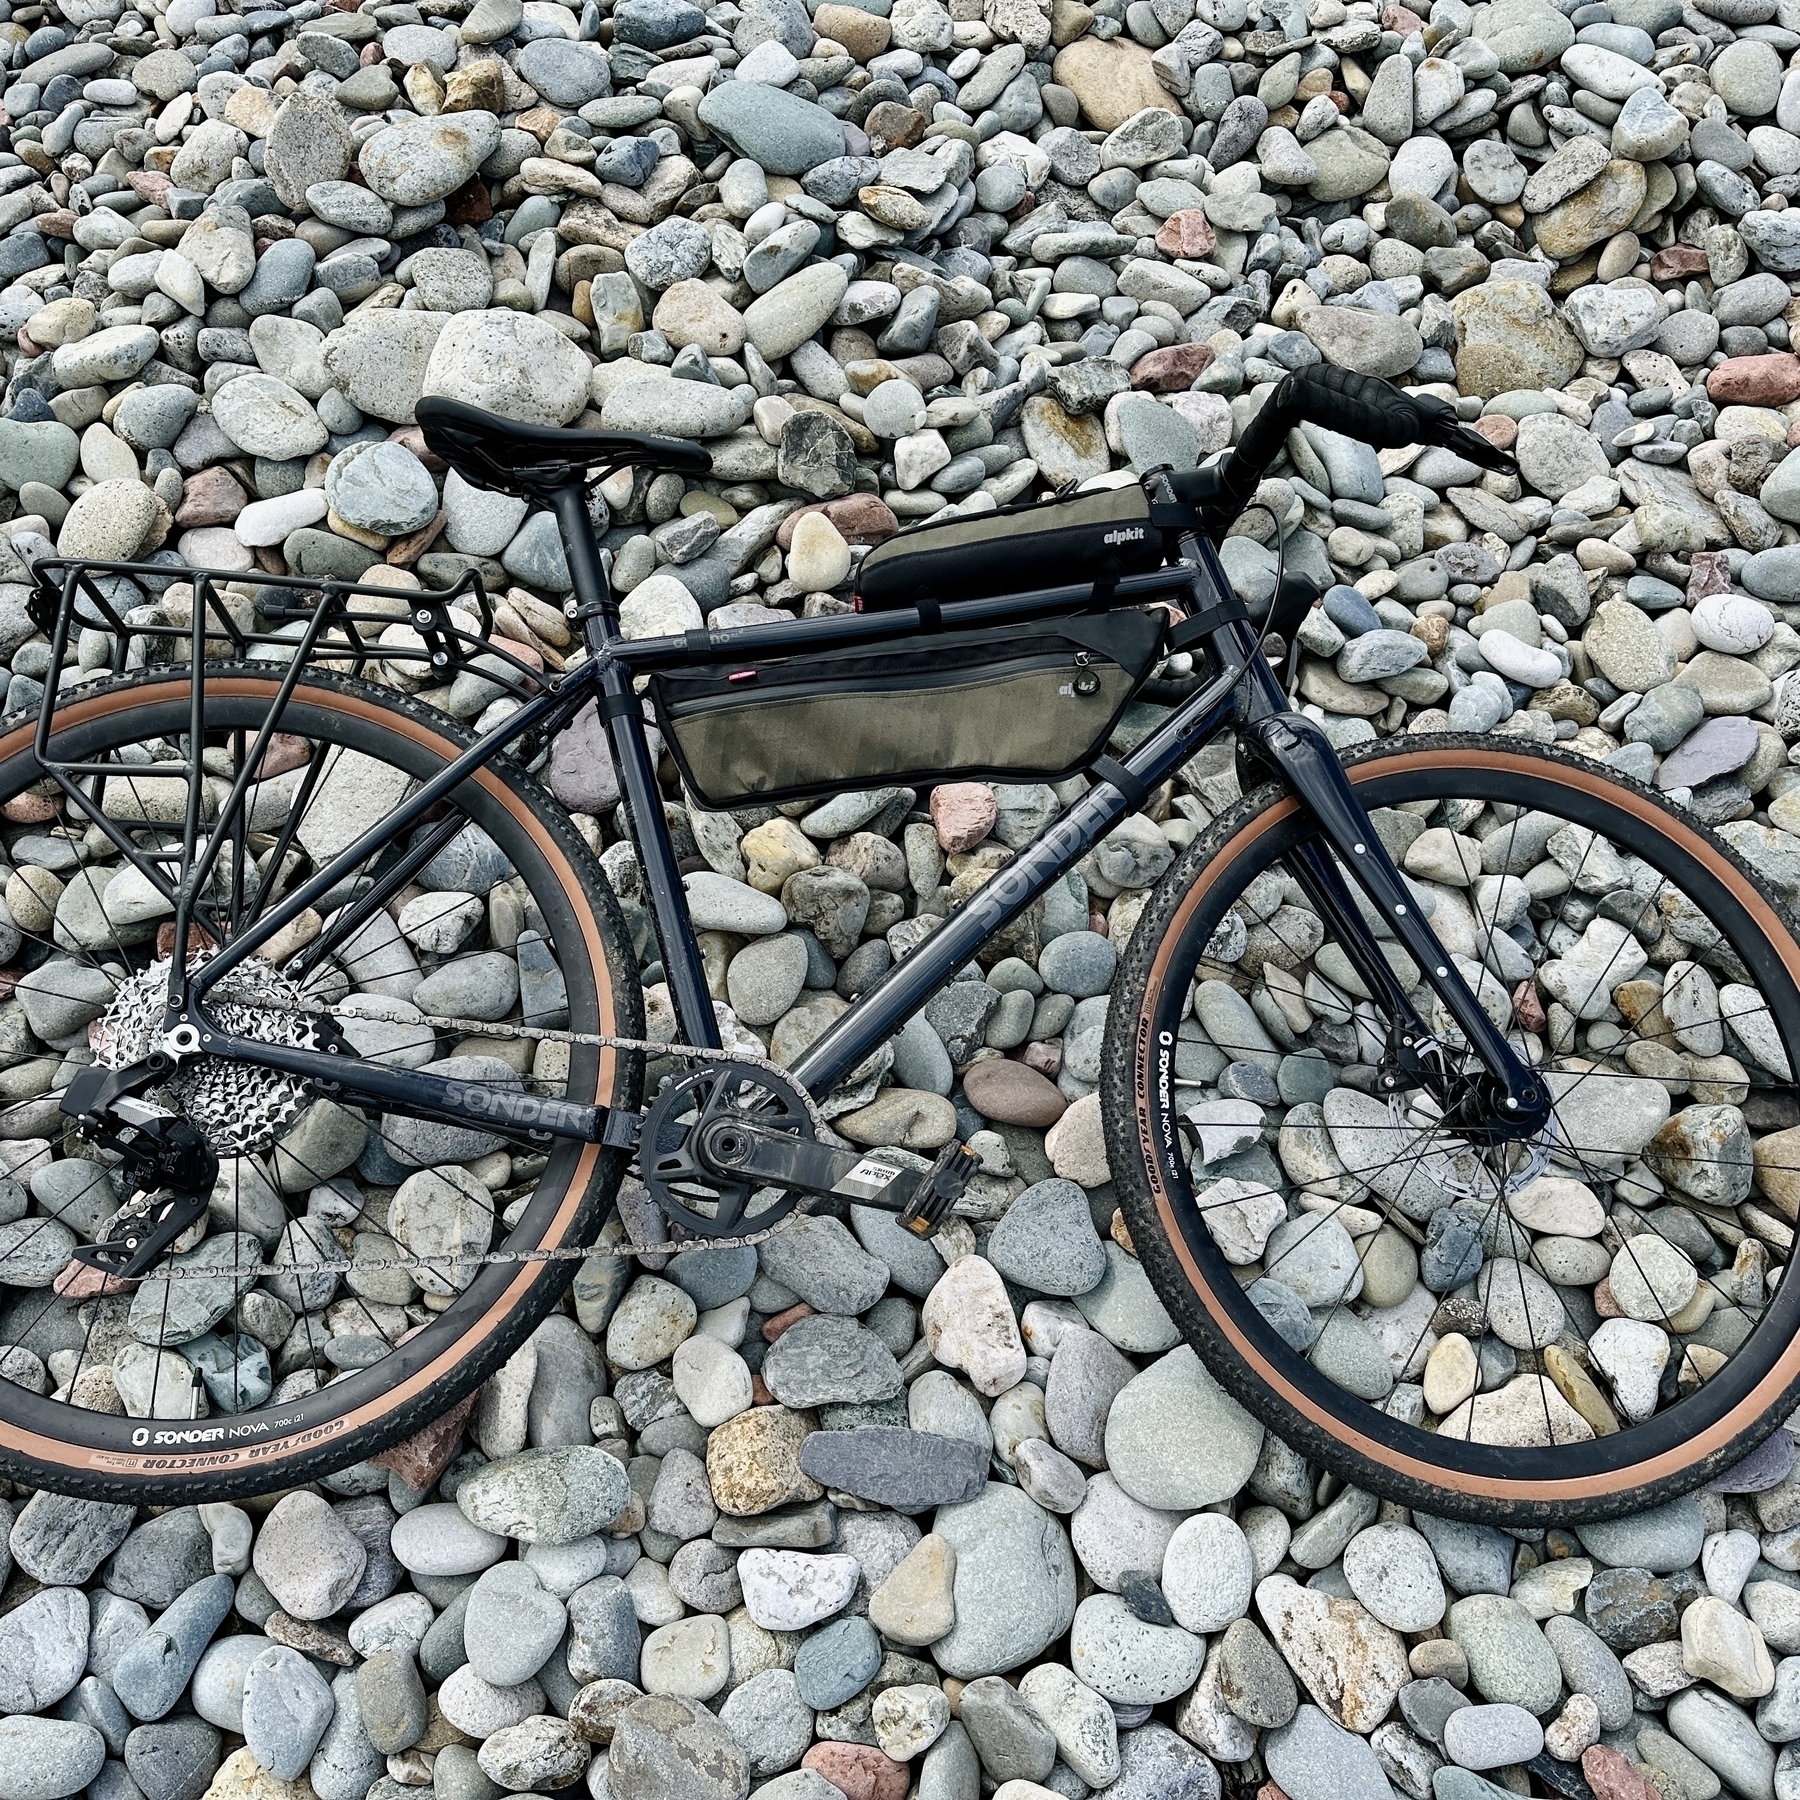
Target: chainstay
(587,1040)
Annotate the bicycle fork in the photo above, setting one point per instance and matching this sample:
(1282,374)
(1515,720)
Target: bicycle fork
(1511,1102)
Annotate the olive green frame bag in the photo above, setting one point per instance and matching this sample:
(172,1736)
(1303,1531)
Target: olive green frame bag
(1014,705)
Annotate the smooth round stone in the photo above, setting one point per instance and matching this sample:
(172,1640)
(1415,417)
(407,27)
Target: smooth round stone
(1663,1539)
(1509,1660)
(1126,1660)
(44,1759)
(1207,1573)
(552,1495)
(217,1692)
(351,207)
(441,1540)
(1175,1402)
(421,160)
(286,1707)
(837,1661)
(788,1590)
(1652,1279)
(713,1381)
(511,1624)
(382,488)
(480,1709)
(1079,963)
(1046,1241)
(893,409)
(307,1557)
(652,1321)
(42,1648)
(1391,1570)
(1489,1737)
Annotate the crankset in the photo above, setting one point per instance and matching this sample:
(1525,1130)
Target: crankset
(718,1135)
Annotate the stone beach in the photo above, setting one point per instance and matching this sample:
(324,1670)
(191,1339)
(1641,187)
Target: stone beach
(852,1516)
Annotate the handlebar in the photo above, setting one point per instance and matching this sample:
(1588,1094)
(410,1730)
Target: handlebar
(1356,406)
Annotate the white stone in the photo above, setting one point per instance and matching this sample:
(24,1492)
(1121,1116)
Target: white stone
(788,1590)
(968,1324)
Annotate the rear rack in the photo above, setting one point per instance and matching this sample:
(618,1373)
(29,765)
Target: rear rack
(121,617)
(238,616)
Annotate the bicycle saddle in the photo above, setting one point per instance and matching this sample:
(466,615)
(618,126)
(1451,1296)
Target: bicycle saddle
(533,461)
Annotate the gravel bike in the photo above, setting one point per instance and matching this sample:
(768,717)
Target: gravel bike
(336,1017)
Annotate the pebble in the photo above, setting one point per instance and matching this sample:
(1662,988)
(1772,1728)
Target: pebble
(553,1495)
(307,1558)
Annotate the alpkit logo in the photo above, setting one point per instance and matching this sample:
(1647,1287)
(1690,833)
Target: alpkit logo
(1126,534)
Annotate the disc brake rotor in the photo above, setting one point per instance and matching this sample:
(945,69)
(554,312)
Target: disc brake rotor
(1457,1166)
(240,1109)
(689,1193)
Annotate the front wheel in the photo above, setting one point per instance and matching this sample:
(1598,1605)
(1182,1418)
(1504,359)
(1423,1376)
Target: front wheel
(1571,1327)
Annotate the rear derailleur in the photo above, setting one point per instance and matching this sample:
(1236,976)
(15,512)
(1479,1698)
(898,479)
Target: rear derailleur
(725,1134)
(172,1166)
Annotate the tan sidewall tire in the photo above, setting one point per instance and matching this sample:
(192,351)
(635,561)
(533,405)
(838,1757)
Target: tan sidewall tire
(1192,1292)
(430,1374)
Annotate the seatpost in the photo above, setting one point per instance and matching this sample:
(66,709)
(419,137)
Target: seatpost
(596,609)
(623,714)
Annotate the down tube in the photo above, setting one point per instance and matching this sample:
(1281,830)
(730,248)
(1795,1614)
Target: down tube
(906,987)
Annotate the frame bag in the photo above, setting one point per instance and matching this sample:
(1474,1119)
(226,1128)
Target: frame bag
(1012,705)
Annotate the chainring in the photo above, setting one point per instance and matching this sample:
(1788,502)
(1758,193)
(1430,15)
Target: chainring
(690,1194)
(239,1108)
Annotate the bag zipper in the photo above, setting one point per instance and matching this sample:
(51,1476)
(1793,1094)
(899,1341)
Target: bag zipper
(925,682)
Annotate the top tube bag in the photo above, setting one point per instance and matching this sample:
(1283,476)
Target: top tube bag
(1097,536)
(1022,704)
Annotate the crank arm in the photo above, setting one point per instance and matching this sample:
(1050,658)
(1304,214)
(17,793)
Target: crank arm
(738,1150)
(146,1238)
(1306,759)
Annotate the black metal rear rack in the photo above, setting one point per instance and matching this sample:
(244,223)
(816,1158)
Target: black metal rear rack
(291,622)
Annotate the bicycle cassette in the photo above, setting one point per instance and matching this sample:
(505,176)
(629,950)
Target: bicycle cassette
(240,1109)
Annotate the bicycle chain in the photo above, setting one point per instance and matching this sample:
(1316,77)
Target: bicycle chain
(589,1040)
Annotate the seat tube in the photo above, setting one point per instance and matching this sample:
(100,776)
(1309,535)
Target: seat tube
(624,718)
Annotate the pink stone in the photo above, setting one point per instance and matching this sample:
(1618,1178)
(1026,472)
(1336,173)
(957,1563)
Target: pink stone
(1013,1094)
(1711,574)
(1172,370)
(1613,1777)
(1771,380)
(858,1771)
(211,497)
(78,1281)
(964,813)
(1187,233)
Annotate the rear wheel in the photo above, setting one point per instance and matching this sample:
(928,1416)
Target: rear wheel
(193,1388)
(1567,1328)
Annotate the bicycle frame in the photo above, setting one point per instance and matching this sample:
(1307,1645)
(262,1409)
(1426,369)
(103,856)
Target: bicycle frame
(1239,687)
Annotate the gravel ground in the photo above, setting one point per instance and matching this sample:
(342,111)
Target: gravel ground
(852,1515)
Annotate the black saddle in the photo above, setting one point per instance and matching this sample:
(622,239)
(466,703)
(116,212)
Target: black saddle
(533,461)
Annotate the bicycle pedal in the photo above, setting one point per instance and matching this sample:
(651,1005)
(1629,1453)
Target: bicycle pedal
(940,1190)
